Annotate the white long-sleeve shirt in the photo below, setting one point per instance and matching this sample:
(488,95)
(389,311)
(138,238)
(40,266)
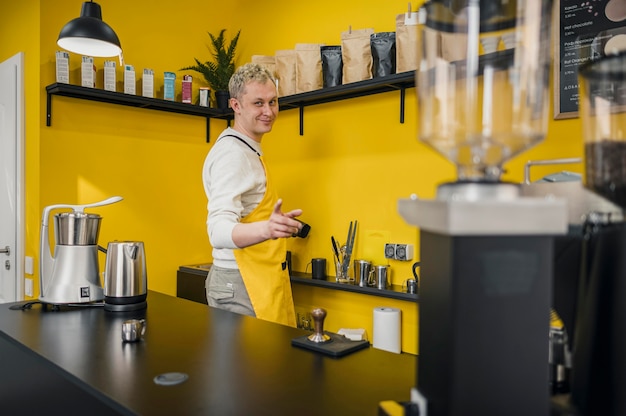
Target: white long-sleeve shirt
(234,182)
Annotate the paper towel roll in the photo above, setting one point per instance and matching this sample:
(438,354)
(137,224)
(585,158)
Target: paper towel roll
(387,330)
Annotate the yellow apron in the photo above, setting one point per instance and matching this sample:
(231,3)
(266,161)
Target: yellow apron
(261,267)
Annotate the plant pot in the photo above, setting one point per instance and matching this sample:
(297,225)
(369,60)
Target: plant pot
(222,97)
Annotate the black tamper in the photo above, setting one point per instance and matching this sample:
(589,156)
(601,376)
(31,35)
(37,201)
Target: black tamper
(318,336)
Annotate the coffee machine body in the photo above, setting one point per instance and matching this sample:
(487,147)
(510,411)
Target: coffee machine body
(71,275)
(74,277)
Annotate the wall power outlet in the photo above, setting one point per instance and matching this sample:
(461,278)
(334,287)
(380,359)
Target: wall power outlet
(402,252)
(390,251)
(28,287)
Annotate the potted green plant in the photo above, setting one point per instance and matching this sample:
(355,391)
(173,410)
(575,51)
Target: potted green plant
(217,72)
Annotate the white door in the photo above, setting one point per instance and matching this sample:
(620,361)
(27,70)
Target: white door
(11,179)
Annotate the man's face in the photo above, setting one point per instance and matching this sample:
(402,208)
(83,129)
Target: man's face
(256,110)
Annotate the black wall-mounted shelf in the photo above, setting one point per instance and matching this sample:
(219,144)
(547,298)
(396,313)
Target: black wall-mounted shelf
(392,292)
(396,82)
(190,285)
(94,94)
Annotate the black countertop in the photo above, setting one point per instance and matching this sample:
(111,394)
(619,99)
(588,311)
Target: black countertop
(237,365)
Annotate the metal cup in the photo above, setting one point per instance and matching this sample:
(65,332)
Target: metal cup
(410,285)
(362,271)
(381,276)
(318,268)
(133,330)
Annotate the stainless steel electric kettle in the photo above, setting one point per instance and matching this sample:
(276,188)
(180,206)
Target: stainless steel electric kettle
(125,276)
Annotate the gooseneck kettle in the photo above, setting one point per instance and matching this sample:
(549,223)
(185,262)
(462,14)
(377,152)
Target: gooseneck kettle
(72,274)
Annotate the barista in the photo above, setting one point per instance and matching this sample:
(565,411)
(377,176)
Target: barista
(246,225)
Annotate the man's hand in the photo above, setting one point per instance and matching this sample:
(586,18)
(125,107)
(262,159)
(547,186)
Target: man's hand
(279,225)
(282,224)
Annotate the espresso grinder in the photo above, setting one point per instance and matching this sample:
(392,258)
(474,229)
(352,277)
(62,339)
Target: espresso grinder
(598,379)
(486,249)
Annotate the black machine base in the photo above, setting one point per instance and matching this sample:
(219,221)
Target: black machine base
(125,304)
(484,320)
(599,364)
(125,308)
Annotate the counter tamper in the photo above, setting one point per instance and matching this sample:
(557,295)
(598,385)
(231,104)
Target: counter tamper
(318,336)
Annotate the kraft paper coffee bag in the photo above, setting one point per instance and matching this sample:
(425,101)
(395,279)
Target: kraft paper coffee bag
(406,42)
(356,55)
(286,71)
(308,67)
(452,46)
(267,62)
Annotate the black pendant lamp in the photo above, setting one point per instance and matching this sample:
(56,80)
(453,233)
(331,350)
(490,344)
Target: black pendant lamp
(89,35)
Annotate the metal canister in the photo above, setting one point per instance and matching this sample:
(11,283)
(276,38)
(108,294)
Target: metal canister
(362,271)
(77,228)
(411,286)
(205,97)
(381,276)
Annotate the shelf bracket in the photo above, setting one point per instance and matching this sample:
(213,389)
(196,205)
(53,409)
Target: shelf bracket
(208,128)
(48,109)
(402,97)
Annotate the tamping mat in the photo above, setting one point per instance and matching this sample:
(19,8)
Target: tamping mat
(336,346)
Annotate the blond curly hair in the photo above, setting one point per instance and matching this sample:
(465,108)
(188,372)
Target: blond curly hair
(248,73)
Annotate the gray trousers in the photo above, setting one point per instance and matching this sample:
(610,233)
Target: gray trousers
(225,289)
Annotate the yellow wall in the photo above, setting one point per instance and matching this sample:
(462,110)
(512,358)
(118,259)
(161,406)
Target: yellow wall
(354,161)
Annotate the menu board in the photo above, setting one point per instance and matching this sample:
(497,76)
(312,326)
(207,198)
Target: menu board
(588,30)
